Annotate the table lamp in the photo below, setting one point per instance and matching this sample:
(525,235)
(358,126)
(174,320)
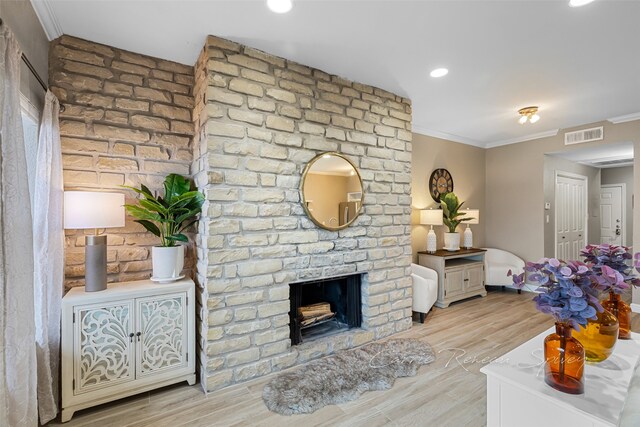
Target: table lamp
(91,209)
(431,217)
(468,234)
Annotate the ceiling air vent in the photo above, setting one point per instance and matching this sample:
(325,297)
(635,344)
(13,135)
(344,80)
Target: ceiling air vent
(585,135)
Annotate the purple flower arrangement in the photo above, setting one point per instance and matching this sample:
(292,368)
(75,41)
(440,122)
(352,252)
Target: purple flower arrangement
(611,268)
(566,290)
(569,290)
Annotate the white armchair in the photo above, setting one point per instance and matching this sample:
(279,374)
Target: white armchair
(425,289)
(497,264)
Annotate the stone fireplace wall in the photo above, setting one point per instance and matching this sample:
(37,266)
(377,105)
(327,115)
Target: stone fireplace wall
(259,119)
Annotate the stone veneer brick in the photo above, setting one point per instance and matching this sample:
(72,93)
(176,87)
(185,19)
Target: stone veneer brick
(259,119)
(127,120)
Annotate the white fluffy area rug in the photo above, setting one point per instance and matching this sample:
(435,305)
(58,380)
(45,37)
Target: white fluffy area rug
(345,376)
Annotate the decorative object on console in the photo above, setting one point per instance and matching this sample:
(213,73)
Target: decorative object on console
(598,336)
(334,184)
(452,218)
(440,183)
(431,217)
(568,293)
(564,360)
(94,210)
(168,218)
(614,276)
(474,218)
(345,375)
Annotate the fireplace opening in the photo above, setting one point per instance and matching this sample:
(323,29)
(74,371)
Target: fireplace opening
(324,307)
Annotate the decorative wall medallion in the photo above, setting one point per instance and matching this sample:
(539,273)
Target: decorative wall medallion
(440,182)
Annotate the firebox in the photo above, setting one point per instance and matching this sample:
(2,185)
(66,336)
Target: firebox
(324,307)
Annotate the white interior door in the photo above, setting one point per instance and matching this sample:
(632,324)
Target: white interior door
(571,215)
(612,214)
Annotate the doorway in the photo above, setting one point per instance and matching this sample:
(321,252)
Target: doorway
(613,224)
(571,214)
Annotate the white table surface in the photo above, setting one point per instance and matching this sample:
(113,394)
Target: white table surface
(605,383)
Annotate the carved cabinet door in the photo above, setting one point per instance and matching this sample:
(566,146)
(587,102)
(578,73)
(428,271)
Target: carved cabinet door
(103,340)
(162,344)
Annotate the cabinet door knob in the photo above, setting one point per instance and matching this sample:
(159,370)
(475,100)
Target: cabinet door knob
(138,335)
(131,337)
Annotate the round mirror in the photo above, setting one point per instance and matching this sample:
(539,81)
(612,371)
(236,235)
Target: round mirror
(331,191)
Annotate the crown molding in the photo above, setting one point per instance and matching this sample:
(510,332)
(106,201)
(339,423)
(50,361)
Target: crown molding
(47,17)
(530,137)
(448,136)
(626,118)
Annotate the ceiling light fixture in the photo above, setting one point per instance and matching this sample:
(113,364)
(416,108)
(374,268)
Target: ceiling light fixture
(578,3)
(528,114)
(439,72)
(280,6)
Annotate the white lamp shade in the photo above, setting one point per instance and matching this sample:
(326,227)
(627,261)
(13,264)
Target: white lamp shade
(91,209)
(472,213)
(431,217)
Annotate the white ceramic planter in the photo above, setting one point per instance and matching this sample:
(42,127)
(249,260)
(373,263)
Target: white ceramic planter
(452,241)
(167,262)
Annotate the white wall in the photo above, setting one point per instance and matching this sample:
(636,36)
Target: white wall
(515,188)
(467,167)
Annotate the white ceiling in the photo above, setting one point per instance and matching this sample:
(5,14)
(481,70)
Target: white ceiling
(579,65)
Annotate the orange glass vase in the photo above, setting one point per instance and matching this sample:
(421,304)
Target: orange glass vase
(622,311)
(599,337)
(564,361)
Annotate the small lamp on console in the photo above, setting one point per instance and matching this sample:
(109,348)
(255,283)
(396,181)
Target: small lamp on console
(468,234)
(94,210)
(431,217)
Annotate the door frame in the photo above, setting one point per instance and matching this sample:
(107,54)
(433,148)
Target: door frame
(624,208)
(555,208)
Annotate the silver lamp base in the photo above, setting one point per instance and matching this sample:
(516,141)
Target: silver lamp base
(95,263)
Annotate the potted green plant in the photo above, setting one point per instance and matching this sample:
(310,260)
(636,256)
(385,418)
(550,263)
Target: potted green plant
(452,217)
(168,217)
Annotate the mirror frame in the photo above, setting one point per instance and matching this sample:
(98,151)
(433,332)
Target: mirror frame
(304,201)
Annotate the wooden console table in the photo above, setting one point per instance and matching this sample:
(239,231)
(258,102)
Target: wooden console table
(460,273)
(518,396)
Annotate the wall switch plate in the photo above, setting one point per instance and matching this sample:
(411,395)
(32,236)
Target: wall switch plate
(547,206)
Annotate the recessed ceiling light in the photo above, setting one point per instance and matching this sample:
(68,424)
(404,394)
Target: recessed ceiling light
(439,72)
(280,6)
(578,3)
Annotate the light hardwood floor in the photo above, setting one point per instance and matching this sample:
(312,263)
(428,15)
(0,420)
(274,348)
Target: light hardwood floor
(448,392)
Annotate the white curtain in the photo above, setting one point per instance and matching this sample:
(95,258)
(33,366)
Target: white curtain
(48,251)
(18,402)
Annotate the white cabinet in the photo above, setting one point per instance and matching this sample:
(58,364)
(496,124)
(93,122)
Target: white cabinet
(460,273)
(131,338)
